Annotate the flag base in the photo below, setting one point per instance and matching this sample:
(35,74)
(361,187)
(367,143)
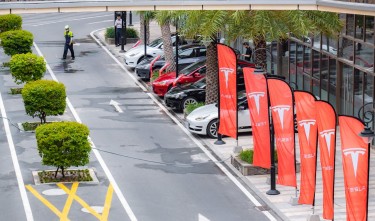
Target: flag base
(293,201)
(219,142)
(273,192)
(313,217)
(237,149)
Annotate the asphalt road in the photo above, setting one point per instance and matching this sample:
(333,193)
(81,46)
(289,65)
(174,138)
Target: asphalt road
(161,173)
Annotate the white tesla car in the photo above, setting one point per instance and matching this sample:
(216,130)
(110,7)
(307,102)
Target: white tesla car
(203,120)
(155,48)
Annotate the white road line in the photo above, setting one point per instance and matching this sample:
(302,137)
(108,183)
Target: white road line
(117,61)
(99,22)
(17,169)
(195,140)
(108,173)
(67,20)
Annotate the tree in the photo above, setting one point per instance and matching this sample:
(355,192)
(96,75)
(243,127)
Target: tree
(16,42)
(63,144)
(145,17)
(10,22)
(261,26)
(44,98)
(27,67)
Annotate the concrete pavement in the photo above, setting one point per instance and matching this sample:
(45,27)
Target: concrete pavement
(280,204)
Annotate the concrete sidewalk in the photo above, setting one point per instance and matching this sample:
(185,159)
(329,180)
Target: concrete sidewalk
(280,204)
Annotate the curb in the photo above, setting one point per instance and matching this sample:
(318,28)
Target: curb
(247,184)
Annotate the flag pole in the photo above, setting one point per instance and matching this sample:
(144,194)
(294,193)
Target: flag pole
(219,140)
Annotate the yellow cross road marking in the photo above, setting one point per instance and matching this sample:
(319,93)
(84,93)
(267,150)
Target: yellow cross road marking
(107,203)
(73,196)
(69,202)
(44,201)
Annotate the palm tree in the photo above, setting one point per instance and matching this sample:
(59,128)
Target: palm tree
(261,26)
(145,18)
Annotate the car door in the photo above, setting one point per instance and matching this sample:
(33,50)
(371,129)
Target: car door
(243,115)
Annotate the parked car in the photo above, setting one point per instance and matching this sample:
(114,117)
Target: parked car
(165,82)
(190,74)
(203,120)
(187,55)
(155,48)
(181,96)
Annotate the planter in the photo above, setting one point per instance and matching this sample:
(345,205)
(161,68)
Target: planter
(247,169)
(131,40)
(110,41)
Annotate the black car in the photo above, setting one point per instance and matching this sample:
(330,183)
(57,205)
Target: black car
(180,96)
(187,55)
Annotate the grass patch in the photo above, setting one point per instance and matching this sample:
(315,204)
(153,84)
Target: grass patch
(190,107)
(70,176)
(155,74)
(30,126)
(16,90)
(248,155)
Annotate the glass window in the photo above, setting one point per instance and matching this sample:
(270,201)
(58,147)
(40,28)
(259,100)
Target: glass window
(332,82)
(369,94)
(299,65)
(292,58)
(369,21)
(346,90)
(316,64)
(307,62)
(316,88)
(329,45)
(316,43)
(359,26)
(358,90)
(306,82)
(346,49)
(350,25)
(202,52)
(324,77)
(364,56)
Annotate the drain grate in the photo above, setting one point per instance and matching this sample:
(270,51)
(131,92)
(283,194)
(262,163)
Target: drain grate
(262,208)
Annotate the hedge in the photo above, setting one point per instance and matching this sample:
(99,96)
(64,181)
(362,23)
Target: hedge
(17,42)
(44,98)
(130,33)
(27,67)
(10,22)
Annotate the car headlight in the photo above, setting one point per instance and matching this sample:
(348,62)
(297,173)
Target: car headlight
(201,118)
(179,95)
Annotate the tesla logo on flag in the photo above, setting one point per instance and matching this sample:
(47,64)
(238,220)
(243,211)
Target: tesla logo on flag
(354,154)
(256,96)
(327,136)
(226,72)
(306,124)
(280,109)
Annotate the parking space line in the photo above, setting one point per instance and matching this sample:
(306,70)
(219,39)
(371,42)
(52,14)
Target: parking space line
(107,204)
(80,201)
(69,202)
(44,201)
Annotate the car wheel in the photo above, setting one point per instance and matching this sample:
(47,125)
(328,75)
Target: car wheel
(187,101)
(212,128)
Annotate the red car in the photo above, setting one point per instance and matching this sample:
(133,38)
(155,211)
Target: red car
(190,74)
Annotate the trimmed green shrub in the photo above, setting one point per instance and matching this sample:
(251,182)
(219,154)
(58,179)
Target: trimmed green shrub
(44,98)
(130,33)
(10,22)
(27,67)
(190,107)
(110,32)
(17,42)
(63,144)
(247,155)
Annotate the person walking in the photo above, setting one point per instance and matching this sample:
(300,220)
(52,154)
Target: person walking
(118,27)
(68,42)
(248,52)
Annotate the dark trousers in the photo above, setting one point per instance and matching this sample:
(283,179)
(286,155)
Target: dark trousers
(118,36)
(70,47)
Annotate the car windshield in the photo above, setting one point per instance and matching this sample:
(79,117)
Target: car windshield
(156,42)
(192,67)
(200,84)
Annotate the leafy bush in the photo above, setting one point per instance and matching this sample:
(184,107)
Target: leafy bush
(17,42)
(190,107)
(10,22)
(27,67)
(44,98)
(155,74)
(130,33)
(63,144)
(248,155)
(110,32)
